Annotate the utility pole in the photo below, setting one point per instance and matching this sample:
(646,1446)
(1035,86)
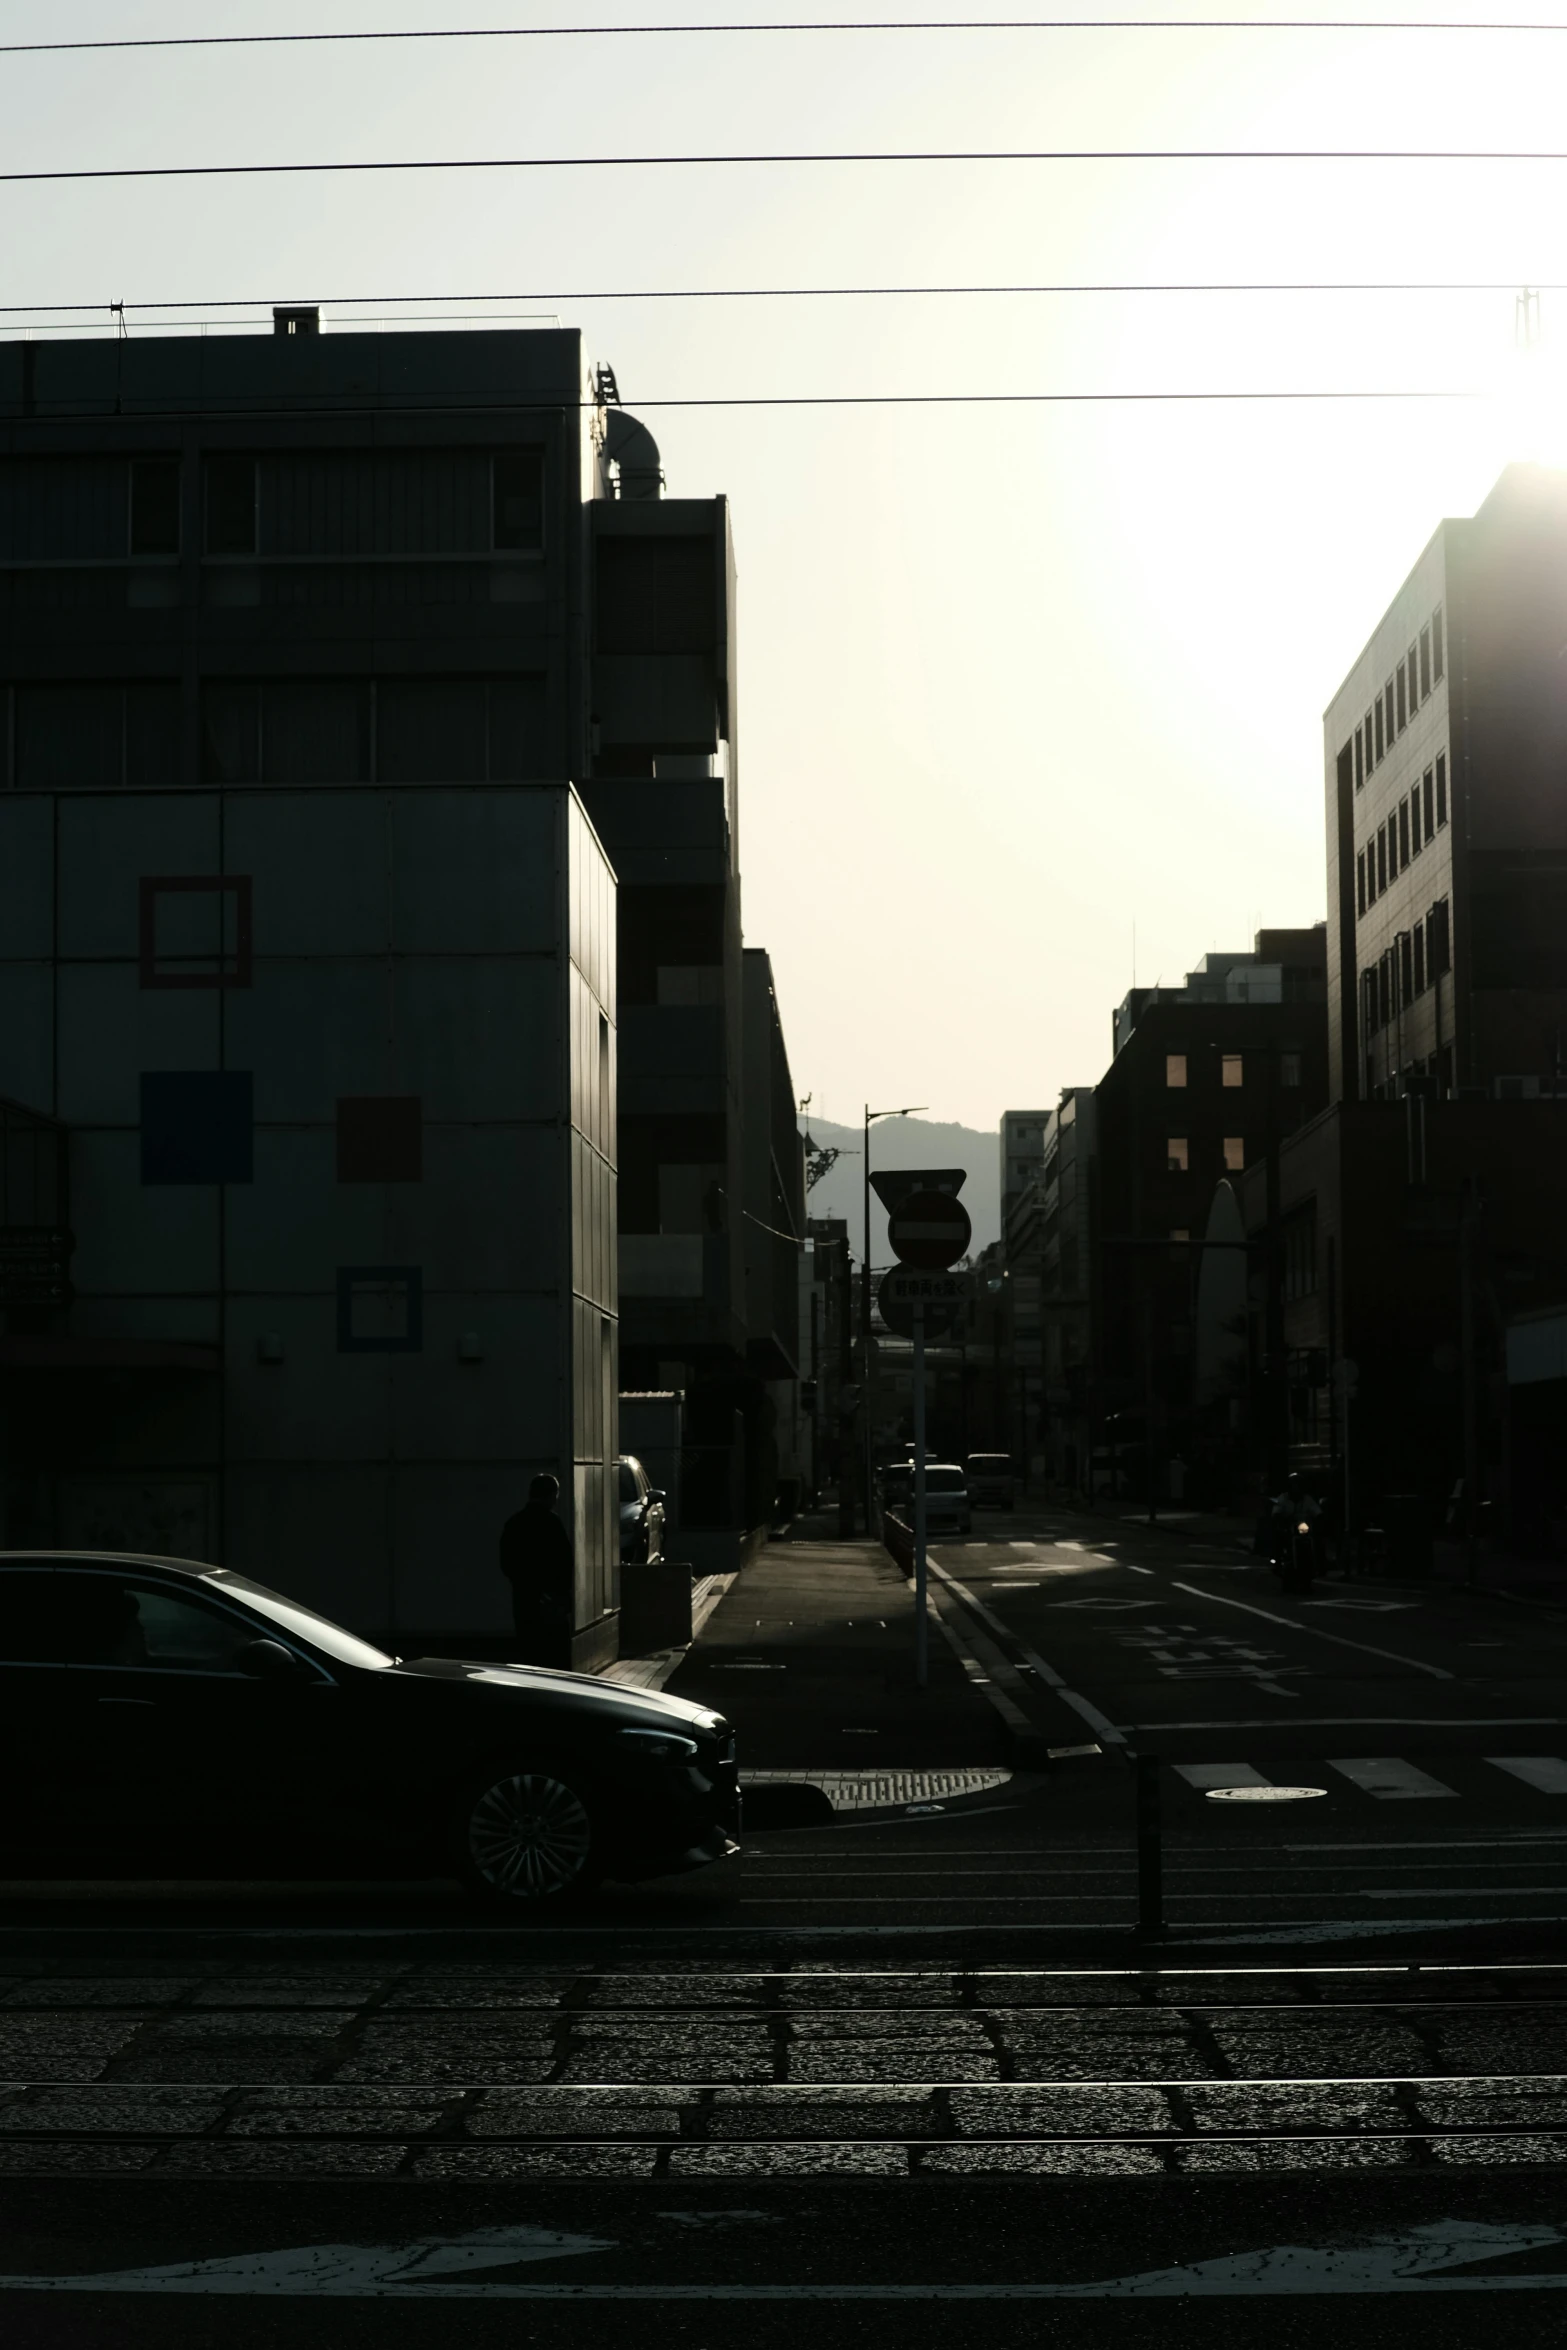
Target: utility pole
(867,1384)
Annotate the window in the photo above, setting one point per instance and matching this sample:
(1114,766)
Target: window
(1360,882)
(1441,789)
(195,930)
(1234,1154)
(1387,698)
(1412,666)
(196,1126)
(1406,969)
(1232,1069)
(1440,953)
(96,737)
(1436,645)
(1414,820)
(1402,704)
(1368,1003)
(1426,793)
(1360,759)
(1403,834)
(1289,1069)
(1300,1252)
(1381,858)
(1180,1232)
(1177,1158)
(231,505)
(1370,755)
(1425,662)
(1175,1068)
(1420,958)
(380,1309)
(166,1632)
(1384,991)
(380,1138)
(155,506)
(1378,715)
(518,500)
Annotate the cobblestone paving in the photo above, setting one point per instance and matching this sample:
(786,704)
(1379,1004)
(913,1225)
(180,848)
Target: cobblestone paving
(487,2072)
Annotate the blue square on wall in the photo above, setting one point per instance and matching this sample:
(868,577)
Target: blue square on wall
(196,1126)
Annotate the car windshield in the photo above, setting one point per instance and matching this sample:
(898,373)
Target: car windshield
(944,1480)
(345,1648)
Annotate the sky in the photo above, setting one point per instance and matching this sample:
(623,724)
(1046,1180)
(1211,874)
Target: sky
(1030,695)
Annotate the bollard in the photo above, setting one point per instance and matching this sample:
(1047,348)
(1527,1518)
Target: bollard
(1150,1849)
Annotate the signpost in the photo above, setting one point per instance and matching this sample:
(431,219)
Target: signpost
(940,1295)
(928,1231)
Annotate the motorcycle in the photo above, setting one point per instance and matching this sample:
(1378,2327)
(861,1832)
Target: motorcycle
(1294,1552)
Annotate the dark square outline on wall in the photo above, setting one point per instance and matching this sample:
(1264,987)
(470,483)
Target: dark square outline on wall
(412,1280)
(150,885)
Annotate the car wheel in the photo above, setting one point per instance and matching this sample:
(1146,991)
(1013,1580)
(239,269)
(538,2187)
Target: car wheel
(525,1835)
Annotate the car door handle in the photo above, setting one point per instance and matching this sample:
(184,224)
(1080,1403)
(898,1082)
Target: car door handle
(146,1701)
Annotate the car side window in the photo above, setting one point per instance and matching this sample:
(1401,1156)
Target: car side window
(170,1633)
(38,1624)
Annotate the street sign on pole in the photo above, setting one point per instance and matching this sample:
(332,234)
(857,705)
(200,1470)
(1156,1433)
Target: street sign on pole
(929,1230)
(892,1185)
(942,1296)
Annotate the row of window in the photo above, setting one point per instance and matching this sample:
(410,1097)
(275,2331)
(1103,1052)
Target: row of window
(198,1126)
(328,503)
(1412,823)
(104,734)
(1232,1069)
(1178,1154)
(1415,961)
(1409,686)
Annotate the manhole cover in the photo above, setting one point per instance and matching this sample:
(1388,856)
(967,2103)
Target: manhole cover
(1262,1794)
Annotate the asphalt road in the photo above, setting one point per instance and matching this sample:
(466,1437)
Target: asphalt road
(905,2074)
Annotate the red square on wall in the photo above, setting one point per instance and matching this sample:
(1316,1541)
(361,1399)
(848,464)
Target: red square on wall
(380,1138)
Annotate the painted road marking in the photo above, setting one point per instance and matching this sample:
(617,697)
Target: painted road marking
(1204,1776)
(1429,2259)
(1390,1778)
(1293,1624)
(1548,1772)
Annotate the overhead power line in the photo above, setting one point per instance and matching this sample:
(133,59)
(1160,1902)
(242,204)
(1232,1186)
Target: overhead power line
(263,302)
(432,163)
(936,24)
(239,410)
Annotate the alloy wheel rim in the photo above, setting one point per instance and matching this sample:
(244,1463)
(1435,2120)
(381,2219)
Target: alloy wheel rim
(529,1836)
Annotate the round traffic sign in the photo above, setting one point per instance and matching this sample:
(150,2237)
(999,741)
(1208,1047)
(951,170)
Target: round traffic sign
(930,1229)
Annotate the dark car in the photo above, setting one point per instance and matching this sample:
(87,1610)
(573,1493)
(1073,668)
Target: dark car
(641,1513)
(157,1715)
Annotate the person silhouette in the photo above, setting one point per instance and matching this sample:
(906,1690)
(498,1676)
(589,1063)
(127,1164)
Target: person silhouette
(538,1562)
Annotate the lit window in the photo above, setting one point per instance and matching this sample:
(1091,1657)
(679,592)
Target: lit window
(1234,1154)
(1177,1158)
(1289,1068)
(1232,1069)
(1180,1232)
(1175,1068)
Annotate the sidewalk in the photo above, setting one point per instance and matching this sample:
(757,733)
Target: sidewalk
(810,1652)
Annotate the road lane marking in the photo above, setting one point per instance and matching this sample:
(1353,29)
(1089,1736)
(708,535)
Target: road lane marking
(1390,1778)
(1314,1632)
(1202,1776)
(1547,1772)
(1430,2258)
(1099,1723)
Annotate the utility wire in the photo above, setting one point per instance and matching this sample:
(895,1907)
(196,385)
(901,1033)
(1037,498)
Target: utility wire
(432,163)
(807,294)
(938,24)
(488,405)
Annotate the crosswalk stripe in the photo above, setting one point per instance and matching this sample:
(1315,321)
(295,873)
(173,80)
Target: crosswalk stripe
(1548,1772)
(1388,1777)
(1206,1776)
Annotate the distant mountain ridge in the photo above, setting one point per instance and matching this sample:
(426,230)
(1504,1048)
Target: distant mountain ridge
(906,1142)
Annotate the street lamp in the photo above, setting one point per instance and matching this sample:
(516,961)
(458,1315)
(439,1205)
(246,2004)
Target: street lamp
(865,1293)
